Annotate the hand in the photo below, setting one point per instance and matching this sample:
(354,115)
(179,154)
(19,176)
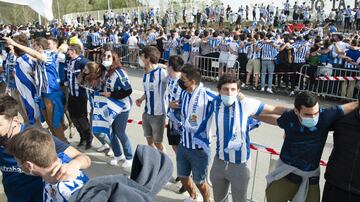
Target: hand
(9,41)
(174,105)
(105,94)
(240,96)
(138,102)
(64,172)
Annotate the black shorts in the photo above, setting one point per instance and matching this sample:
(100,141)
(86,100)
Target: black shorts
(172,135)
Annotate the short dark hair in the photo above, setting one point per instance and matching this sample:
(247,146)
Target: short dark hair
(8,106)
(176,62)
(306,99)
(227,78)
(192,73)
(151,52)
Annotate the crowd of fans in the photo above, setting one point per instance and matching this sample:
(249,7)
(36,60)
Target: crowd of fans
(48,76)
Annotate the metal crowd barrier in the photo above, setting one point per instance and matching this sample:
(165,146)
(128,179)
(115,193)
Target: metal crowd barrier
(209,67)
(330,82)
(128,55)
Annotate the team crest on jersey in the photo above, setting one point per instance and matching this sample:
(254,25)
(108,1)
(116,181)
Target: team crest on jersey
(124,79)
(193,120)
(151,87)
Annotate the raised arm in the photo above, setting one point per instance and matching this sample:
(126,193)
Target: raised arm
(27,50)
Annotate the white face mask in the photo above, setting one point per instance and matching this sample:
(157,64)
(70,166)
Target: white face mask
(107,64)
(228,100)
(141,63)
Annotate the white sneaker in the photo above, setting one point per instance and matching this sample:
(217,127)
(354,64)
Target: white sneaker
(110,152)
(262,89)
(103,148)
(115,160)
(242,85)
(269,90)
(127,163)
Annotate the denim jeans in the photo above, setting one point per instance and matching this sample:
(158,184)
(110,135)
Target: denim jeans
(267,68)
(118,129)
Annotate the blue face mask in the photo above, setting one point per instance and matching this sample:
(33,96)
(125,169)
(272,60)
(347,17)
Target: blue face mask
(228,100)
(310,122)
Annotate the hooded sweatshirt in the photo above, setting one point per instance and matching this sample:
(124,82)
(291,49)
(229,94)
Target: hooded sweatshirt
(150,171)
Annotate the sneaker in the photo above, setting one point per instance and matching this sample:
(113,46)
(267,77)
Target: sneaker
(109,152)
(127,163)
(115,160)
(103,148)
(262,89)
(292,93)
(243,85)
(269,91)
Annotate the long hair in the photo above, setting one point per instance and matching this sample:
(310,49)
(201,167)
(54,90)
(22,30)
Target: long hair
(115,65)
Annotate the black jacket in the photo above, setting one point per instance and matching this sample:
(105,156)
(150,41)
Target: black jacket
(343,169)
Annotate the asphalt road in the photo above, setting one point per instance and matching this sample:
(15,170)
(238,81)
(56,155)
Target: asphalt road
(267,135)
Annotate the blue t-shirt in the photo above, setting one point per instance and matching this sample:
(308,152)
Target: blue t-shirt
(302,147)
(19,186)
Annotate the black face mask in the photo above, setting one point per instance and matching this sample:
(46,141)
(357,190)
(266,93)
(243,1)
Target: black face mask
(182,84)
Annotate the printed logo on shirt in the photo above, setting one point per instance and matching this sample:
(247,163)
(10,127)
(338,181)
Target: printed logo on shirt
(151,87)
(193,120)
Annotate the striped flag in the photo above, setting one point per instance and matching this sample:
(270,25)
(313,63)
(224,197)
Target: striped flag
(25,84)
(105,111)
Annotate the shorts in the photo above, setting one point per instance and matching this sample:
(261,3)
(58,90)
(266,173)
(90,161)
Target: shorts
(172,134)
(253,66)
(153,126)
(193,161)
(224,56)
(231,61)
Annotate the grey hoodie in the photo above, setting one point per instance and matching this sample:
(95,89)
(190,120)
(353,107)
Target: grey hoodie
(150,171)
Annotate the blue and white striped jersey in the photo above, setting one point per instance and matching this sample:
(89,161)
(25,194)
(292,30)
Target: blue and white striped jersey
(74,68)
(62,191)
(154,83)
(268,51)
(252,53)
(95,39)
(224,45)
(187,113)
(174,91)
(47,75)
(9,70)
(243,49)
(117,81)
(151,38)
(214,43)
(224,119)
(301,50)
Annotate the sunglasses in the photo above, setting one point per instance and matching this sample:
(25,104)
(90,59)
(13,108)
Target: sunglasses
(107,56)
